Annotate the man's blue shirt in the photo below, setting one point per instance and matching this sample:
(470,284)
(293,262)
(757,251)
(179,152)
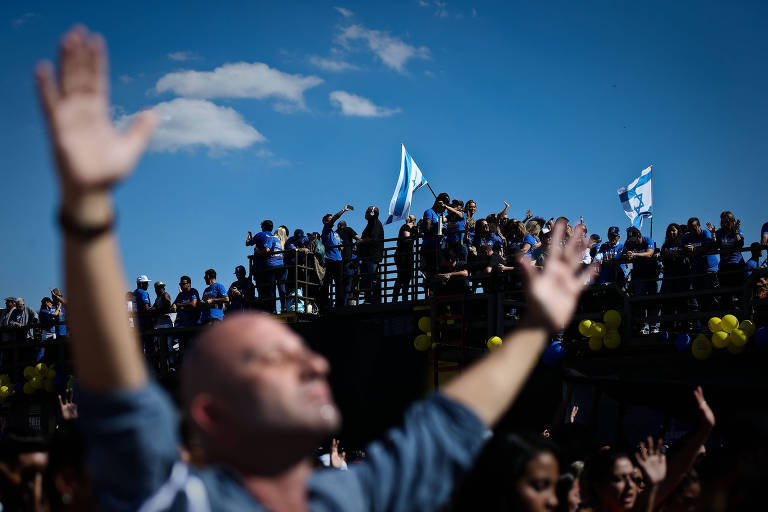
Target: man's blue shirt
(491,239)
(455,229)
(61,328)
(430,238)
(133,457)
(330,239)
(530,240)
(47,321)
(701,242)
(215,291)
(266,240)
(187,318)
(610,272)
(293,243)
(646,267)
(140,298)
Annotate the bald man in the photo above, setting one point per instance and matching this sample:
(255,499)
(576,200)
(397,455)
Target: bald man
(256,395)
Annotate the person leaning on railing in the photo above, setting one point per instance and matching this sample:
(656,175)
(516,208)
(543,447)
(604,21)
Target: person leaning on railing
(699,245)
(730,240)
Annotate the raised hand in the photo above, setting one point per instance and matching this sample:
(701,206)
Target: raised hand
(707,416)
(710,227)
(553,292)
(335,457)
(67,406)
(91,154)
(574,412)
(652,461)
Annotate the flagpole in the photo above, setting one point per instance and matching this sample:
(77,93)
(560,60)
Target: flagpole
(651,200)
(430,189)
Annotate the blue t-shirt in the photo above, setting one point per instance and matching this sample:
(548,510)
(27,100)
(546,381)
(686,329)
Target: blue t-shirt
(729,247)
(47,321)
(141,297)
(701,242)
(491,239)
(187,318)
(61,328)
(430,238)
(331,238)
(215,291)
(133,456)
(455,229)
(266,240)
(610,272)
(646,267)
(293,243)
(532,240)
(752,264)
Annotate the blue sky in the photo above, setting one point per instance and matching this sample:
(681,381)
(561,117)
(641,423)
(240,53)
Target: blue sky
(288,110)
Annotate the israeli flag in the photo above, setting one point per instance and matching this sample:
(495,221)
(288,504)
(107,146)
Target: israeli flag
(410,181)
(637,198)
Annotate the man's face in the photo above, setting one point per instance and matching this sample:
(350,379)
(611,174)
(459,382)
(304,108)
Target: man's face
(370,213)
(185,285)
(9,304)
(20,304)
(694,227)
(482,227)
(277,383)
(207,279)
(614,239)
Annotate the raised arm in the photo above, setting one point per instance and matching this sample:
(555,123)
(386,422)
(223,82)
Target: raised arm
(489,387)
(339,213)
(91,157)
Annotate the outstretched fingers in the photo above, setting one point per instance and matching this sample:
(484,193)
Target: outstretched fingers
(46,86)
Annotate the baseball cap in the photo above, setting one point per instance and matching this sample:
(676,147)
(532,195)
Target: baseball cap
(143,279)
(239,269)
(613,231)
(595,237)
(298,233)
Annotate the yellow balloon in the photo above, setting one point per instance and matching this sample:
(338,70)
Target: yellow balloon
(735,349)
(748,327)
(494,342)
(425,324)
(595,343)
(612,319)
(36,382)
(597,330)
(5,391)
(28,389)
(720,339)
(29,372)
(737,338)
(4,379)
(714,324)
(584,328)
(422,342)
(729,323)
(41,368)
(612,340)
(701,348)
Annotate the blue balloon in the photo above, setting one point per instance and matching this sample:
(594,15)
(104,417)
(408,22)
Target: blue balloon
(554,353)
(761,337)
(664,335)
(683,343)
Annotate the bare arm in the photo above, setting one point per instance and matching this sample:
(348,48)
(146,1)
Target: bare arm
(91,156)
(506,208)
(339,213)
(489,387)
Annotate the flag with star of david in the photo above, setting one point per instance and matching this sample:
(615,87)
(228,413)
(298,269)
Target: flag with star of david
(637,198)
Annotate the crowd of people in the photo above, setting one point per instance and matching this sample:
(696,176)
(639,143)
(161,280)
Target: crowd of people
(255,399)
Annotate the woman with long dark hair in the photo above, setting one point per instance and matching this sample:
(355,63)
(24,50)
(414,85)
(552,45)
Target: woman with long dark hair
(677,269)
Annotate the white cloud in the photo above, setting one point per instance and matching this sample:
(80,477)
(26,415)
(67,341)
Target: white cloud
(240,80)
(183,56)
(332,65)
(189,123)
(23,19)
(344,12)
(353,105)
(393,51)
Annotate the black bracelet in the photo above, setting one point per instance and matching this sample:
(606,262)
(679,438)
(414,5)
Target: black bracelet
(74,229)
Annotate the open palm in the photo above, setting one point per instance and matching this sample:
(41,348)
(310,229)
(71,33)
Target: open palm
(553,293)
(90,152)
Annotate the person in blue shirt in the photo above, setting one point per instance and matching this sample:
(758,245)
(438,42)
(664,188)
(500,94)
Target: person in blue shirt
(639,251)
(730,241)
(531,240)
(267,265)
(456,229)
(753,263)
(214,298)
(142,306)
(58,301)
(185,304)
(241,292)
(700,247)
(431,228)
(334,265)
(764,236)
(256,396)
(609,255)
(677,270)
(484,236)
(48,316)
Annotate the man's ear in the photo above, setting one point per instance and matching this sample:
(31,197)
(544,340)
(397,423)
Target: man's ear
(207,413)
